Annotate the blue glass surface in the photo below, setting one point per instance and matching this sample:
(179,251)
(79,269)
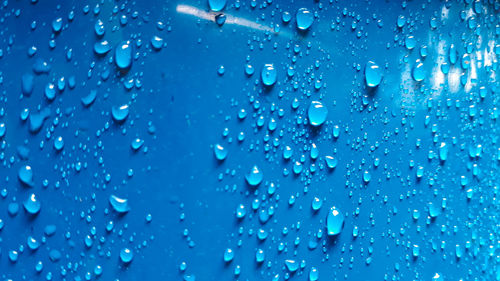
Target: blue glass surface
(249,140)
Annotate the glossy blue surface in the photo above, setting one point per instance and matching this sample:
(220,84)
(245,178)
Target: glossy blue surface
(175,140)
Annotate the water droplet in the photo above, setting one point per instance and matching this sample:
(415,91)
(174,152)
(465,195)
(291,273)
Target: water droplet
(2,130)
(410,42)
(228,255)
(434,210)
(32,243)
(313,274)
(59,143)
(102,48)
(32,205)
(27,83)
(120,205)
(220,152)
(25,175)
(13,256)
(99,28)
(367,176)
(241,211)
(126,255)
(291,265)
(317,113)
(123,55)
(157,43)
(373,74)
(304,18)
(55,255)
(268,75)
(418,72)
(57,25)
(90,98)
(316,203)
(120,113)
(437,277)
(334,221)
(443,151)
(260,256)
(217,5)
(254,177)
(136,144)
(50,91)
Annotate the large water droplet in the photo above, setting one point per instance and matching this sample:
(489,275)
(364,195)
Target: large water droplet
(126,255)
(313,274)
(32,243)
(25,175)
(220,152)
(101,48)
(228,255)
(50,91)
(156,43)
(216,5)
(260,256)
(254,177)
(120,205)
(268,75)
(292,265)
(2,130)
(27,82)
(316,203)
(123,55)
(90,98)
(334,221)
(120,113)
(443,151)
(317,113)
(304,18)
(99,28)
(418,72)
(58,143)
(373,74)
(57,25)
(32,205)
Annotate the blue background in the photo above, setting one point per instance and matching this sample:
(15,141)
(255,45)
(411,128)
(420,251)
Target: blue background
(181,106)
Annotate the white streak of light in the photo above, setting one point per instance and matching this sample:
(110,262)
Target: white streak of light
(210,16)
